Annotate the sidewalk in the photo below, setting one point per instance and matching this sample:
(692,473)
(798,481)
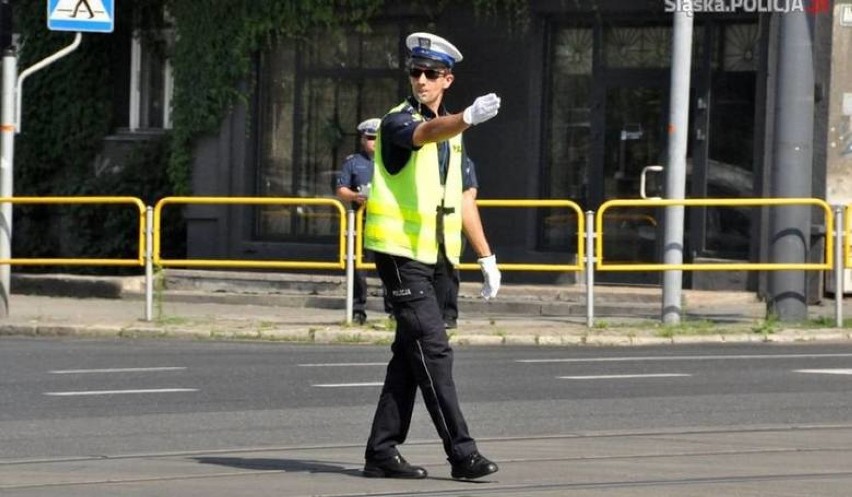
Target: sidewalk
(709,317)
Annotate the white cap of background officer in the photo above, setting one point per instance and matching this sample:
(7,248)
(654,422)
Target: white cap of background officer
(369,127)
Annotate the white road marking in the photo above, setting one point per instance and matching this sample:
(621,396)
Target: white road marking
(117,370)
(683,358)
(344,385)
(825,371)
(622,376)
(343,364)
(120,392)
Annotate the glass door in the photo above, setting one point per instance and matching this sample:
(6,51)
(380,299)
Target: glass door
(633,138)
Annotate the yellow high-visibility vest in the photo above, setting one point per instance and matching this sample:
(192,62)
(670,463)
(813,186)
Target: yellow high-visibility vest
(403,208)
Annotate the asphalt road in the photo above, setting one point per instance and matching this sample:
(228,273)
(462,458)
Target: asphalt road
(65,398)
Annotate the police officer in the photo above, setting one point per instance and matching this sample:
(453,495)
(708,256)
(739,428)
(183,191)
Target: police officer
(414,225)
(352,184)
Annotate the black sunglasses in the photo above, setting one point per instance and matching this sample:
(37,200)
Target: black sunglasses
(431,74)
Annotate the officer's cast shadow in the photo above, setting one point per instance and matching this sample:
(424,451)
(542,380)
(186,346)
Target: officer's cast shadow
(295,465)
(286,465)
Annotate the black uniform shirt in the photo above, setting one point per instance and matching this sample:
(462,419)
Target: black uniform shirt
(398,142)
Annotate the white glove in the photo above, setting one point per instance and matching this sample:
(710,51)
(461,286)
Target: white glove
(490,276)
(483,109)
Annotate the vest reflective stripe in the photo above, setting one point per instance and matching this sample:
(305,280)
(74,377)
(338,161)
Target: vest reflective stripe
(402,208)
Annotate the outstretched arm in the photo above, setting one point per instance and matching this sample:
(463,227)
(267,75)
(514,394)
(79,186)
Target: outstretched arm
(445,127)
(439,129)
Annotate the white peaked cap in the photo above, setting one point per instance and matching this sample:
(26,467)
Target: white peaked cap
(429,46)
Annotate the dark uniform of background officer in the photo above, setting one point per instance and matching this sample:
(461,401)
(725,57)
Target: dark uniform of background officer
(414,228)
(352,184)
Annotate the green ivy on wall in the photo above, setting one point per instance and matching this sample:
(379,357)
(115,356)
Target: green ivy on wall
(66,112)
(213,51)
(66,107)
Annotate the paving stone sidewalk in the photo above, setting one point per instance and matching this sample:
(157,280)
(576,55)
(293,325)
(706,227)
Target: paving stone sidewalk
(735,322)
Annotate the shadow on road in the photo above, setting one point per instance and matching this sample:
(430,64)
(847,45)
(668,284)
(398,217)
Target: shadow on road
(286,465)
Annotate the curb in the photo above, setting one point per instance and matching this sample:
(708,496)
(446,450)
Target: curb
(355,336)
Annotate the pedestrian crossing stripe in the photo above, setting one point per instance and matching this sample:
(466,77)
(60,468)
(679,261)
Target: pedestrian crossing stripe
(96,16)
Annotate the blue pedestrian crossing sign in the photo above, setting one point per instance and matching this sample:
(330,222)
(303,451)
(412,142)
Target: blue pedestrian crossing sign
(92,16)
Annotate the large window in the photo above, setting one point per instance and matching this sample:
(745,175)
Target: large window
(312,94)
(151,79)
(569,131)
(607,108)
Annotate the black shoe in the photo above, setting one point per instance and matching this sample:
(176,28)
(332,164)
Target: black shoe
(451,323)
(359,317)
(473,466)
(393,467)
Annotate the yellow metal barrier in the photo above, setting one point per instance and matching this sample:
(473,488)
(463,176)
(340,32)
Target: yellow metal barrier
(715,202)
(66,261)
(581,227)
(340,264)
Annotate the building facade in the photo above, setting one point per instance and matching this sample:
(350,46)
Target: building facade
(585,91)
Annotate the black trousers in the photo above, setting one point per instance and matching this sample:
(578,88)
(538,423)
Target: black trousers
(359,294)
(422,358)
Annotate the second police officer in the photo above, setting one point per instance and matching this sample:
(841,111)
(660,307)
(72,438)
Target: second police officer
(352,184)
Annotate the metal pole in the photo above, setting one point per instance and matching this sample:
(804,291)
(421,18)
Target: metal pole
(676,168)
(791,174)
(350,263)
(50,59)
(838,265)
(149,263)
(7,144)
(590,269)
